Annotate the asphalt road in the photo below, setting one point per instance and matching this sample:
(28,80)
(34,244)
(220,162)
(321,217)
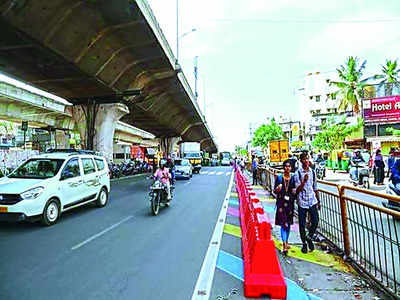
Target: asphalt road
(117,252)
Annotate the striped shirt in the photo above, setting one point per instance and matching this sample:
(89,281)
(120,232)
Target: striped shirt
(307,197)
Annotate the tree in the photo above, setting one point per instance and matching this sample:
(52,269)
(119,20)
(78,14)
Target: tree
(266,133)
(240,151)
(350,83)
(393,131)
(6,127)
(334,133)
(390,76)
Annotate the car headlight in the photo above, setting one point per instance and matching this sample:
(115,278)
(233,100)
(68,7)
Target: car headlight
(32,193)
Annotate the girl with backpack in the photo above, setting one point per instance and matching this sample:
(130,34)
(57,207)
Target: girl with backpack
(284,186)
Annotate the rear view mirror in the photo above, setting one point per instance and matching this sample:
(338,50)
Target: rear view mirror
(66,175)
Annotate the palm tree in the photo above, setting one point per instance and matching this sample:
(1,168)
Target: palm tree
(350,84)
(390,76)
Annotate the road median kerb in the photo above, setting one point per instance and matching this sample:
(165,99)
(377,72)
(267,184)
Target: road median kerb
(127,177)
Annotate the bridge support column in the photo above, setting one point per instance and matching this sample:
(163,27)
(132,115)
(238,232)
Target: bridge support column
(96,124)
(167,144)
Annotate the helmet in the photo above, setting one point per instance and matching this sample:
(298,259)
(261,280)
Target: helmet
(162,163)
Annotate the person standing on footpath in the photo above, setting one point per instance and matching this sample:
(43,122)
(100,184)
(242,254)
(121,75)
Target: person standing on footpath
(283,188)
(379,168)
(391,161)
(308,201)
(254,167)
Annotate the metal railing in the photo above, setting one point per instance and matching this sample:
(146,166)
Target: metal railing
(367,234)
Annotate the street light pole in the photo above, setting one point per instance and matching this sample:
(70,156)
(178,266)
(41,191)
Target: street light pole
(196,94)
(177,31)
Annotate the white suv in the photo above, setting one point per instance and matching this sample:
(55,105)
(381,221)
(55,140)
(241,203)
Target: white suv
(46,185)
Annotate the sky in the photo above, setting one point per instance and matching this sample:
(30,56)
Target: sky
(254,54)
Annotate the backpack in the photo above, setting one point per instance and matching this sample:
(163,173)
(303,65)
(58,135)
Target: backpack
(313,173)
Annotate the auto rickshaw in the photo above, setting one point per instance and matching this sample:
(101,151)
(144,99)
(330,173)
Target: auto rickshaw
(340,160)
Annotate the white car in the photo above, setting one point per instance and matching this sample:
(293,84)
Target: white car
(47,185)
(183,168)
(225,162)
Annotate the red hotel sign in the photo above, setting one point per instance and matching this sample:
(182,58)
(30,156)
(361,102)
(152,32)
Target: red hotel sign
(382,110)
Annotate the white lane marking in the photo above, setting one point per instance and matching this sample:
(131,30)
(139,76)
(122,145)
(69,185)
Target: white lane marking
(206,276)
(188,182)
(219,173)
(211,173)
(203,172)
(228,173)
(100,233)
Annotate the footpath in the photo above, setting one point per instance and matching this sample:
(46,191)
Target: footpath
(320,274)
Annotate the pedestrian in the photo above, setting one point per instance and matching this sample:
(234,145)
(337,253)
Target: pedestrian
(242,164)
(379,168)
(254,167)
(293,162)
(284,188)
(391,161)
(308,201)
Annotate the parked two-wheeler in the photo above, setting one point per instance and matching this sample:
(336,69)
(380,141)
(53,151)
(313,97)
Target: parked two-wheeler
(159,195)
(362,179)
(115,171)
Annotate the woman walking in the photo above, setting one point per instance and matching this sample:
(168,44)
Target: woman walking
(284,186)
(379,167)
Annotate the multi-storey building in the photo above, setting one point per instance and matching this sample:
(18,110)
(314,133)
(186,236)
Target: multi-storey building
(319,103)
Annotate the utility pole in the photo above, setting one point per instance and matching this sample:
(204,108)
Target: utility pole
(196,94)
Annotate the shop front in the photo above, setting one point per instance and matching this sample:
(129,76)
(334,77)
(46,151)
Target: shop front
(381,114)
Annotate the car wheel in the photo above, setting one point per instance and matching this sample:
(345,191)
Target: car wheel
(102,199)
(191,175)
(51,212)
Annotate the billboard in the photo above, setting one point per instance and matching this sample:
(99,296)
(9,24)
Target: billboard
(295,132)
(382,110)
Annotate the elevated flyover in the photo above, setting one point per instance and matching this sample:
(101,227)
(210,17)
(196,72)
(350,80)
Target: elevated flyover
(91,52)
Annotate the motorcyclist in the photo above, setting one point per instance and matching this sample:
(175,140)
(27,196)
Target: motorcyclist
(355,160)
(163,174)
(319,159)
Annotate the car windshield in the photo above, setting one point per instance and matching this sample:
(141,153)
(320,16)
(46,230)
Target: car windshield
(38,168)
(192,155)
(182,162)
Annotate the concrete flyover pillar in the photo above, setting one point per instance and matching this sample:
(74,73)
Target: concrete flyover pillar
(106,120)
(96,124)
(167,144)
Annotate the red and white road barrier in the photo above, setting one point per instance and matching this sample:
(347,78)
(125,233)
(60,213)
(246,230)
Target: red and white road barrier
(262,272)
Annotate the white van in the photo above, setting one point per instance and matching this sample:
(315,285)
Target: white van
(44,186)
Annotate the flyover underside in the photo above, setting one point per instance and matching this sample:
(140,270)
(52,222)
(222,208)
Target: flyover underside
(86,49)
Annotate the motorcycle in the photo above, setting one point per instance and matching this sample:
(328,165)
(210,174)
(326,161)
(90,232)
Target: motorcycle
(363,175)
(320,170)
(115,171)
(158,195)
(391,190)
